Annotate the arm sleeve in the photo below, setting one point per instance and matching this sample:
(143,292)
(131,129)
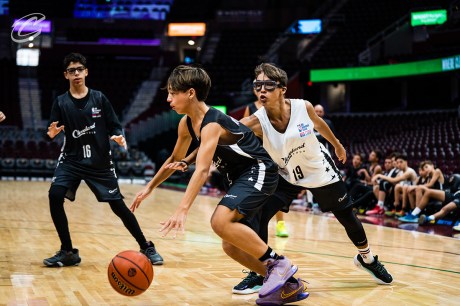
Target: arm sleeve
(55,116)
(113,124)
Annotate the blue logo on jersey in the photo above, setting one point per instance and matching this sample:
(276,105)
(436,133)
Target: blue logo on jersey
(303,129)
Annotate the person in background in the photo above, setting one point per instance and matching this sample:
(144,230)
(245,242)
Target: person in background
(89,123)
(2,116)
(281,230)
(319,110)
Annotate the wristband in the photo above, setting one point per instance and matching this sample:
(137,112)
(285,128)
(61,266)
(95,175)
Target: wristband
(183,161)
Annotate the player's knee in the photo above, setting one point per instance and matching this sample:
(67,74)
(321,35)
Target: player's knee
(56,195)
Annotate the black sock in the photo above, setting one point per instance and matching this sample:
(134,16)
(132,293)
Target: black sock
(269,254)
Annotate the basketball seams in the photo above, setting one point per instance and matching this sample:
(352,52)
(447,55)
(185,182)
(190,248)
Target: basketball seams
(134,263)
(121,276)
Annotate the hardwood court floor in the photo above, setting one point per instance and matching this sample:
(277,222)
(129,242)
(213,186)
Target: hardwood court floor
(426,268)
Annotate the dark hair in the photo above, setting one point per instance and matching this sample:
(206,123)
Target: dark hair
(378,153)
(272,72)
(73,58)
(185,77)
(425,162)
(401,156)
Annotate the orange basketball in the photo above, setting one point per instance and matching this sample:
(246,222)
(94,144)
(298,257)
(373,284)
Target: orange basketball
(130,273)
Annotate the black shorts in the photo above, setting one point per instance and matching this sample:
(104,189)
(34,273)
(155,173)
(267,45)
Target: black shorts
(102,182)
(452,197)
(280,200)
(385,185)
(250,191)
(332,197)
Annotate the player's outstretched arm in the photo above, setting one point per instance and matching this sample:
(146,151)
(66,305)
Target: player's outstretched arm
(209,139)
(182,144)
(326,132)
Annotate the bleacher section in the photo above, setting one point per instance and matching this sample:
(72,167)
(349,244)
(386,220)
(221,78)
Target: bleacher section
(433,135)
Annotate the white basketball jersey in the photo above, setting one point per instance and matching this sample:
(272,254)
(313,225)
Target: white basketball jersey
(302,159)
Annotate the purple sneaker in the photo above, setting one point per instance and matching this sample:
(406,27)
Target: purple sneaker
(278,272)
(289,293)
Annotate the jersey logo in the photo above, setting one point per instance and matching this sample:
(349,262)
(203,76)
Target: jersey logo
(343,198)
(86,130)
(231,196)
(113,190)
(296,150)
(96,112)
(303,129)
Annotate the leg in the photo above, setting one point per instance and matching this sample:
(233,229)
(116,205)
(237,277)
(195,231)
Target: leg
(129,220)
(365,258)
(225,224)
(67,255)
(56,197)
(429,194)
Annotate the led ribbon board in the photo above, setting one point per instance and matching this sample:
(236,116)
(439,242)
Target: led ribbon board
(386,71)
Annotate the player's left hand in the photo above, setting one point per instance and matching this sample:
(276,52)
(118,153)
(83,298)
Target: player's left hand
(120,139)
(175,222)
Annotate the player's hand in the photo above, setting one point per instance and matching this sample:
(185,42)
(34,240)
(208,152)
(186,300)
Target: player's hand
(120,139)
(140,196)
(375,178)
(53,129)
(175,222)
(180,165)
(341,153)
(2,116)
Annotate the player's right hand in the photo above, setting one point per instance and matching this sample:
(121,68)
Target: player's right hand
(53,129)
(140,196)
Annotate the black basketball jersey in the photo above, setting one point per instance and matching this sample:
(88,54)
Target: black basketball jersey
(87,130)
(232,160)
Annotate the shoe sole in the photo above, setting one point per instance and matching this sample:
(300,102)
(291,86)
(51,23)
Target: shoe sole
(288,276)
(300,297)
(282,235)
(157,263)
(58,264)
(247,291)
(377,280)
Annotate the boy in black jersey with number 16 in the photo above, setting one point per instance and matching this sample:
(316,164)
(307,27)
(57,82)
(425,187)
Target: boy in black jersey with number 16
(89,122)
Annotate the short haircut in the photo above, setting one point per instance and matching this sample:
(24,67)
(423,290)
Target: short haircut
(273,72)
(378,153)
(401,156)
(73,58)
(185,77)
(424,163)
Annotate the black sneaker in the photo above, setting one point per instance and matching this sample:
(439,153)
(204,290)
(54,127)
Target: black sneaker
(376,269)
(63,258)
(152,254)
(250,284)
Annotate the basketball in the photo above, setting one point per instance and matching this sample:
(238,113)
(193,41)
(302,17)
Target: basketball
(130,273)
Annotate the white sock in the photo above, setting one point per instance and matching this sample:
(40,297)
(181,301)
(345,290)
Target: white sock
(380,204)
(431,218)
(366,255)
(416,211)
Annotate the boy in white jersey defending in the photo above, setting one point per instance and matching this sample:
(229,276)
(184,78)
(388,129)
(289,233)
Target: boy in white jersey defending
(286,127)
